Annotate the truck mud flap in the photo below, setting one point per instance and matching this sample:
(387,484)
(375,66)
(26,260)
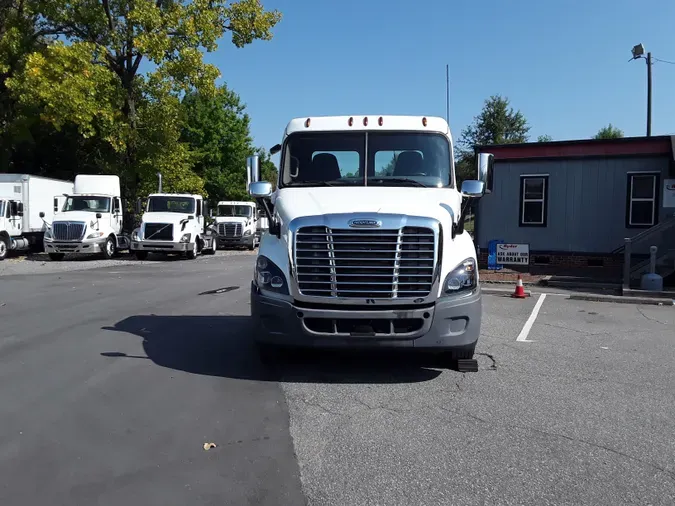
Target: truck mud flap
(123,242)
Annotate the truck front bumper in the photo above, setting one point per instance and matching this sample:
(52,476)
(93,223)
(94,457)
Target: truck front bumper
(75,247)
(450,324)
(162,246)
(246,240)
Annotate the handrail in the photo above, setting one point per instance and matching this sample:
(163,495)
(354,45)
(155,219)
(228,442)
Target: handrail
(664,225)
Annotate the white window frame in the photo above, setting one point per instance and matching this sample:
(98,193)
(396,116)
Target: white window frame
(544,188)
(631,199)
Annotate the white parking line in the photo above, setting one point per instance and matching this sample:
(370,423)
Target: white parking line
(522,337)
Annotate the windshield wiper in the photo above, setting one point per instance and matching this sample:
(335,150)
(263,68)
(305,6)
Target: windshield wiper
(315,183)
(397,180)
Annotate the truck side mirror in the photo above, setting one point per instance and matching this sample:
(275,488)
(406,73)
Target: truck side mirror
(260,189)
(20,209)
(485,170)
(205,209)
(252,170)
(98,216)
(42,214)
(191,217)
(473,189)
(275,149)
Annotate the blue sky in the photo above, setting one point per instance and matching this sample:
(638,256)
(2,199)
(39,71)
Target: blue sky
(563,63)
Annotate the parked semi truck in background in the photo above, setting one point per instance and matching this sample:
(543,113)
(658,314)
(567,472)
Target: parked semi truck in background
(90,220)
(366,243)
(173,223)
(22,198)
(237,224)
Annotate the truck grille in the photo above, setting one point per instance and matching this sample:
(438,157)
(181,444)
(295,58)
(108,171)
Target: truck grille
(68,231)
(158,232)
(229,229)
(381,264)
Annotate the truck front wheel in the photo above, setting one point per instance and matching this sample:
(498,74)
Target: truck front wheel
(192,254)
(109,248)
(4,248)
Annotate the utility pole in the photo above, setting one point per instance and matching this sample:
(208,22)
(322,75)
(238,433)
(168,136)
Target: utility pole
(649,94)
(447,93)
(638,52)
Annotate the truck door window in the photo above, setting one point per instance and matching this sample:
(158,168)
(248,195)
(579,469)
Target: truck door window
(116,206)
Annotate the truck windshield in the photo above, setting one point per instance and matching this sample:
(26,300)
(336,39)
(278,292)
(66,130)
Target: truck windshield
(393,159)
(92,203)
(230,210)
(166,204)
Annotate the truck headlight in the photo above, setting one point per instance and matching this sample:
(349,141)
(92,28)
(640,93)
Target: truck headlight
(461,279)
(247,232)
(96,234)
(185,238)
(135,235)
(269,277)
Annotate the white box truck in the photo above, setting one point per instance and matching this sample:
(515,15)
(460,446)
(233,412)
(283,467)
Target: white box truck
(237,224)
(173,223)
(22,198)
(90,220)
(366,244)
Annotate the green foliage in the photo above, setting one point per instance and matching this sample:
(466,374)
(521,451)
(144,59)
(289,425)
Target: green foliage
(544,138)
(93,80)
(609,132)
(496,124)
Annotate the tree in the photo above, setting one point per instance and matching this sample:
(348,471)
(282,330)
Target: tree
(217,131)
(94,81)
(544,138)
(496,124)
(608,132)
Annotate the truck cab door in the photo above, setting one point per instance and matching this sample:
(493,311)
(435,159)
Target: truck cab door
(14,218)
(117,215)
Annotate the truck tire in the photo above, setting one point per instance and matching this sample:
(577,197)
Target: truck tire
(212,249)
(109,248)
(4,247)
(192,254)
(141,255)
(56,257)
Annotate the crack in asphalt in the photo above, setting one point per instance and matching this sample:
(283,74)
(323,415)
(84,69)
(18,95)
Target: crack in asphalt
(493,367)
(649,318)
(669,474)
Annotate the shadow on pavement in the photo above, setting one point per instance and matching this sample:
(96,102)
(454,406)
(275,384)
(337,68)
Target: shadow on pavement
(222,346)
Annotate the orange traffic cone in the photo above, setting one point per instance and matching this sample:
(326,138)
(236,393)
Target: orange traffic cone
(520,290)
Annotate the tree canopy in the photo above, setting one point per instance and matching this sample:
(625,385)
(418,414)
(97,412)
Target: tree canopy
(608,132)
(91,79)
(497,123)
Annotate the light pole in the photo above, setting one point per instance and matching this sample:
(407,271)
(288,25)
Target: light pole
(638,52)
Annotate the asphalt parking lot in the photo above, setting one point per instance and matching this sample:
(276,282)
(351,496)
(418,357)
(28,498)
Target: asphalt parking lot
(113,378)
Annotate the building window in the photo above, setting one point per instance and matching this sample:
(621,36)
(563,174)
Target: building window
(642,208)
(533,201)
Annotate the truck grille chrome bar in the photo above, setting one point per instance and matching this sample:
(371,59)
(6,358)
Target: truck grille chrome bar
(68,230)
(158,232)
(378,264)
(230,229)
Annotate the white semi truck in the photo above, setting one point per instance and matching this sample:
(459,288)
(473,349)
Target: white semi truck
(22,198)
(237,224)
(173,223)
(366,244)
(90,220)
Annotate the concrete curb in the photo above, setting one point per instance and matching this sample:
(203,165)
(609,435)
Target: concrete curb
(618,299)
(622,299)
(512,283)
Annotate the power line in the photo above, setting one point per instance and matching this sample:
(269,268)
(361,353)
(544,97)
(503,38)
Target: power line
(663,61)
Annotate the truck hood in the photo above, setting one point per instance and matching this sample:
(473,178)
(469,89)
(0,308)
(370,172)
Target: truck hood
(85,216)
(174,218)
(230,219)
(436,203)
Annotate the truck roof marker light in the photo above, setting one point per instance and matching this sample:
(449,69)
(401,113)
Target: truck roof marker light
(350,122)
(307,123)
(380,121)
(365,121)
(424,121)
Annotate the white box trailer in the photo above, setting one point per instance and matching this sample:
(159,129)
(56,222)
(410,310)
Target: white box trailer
(22,198)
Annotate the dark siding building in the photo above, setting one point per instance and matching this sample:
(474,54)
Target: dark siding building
(574,202)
